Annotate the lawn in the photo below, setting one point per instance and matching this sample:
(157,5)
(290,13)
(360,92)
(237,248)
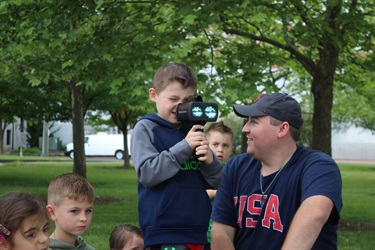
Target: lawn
(116,192)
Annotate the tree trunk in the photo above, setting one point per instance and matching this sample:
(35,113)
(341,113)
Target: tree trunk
(322,89)
(126,150)
(79,165)
(1,137)
(121,119)
(321,132)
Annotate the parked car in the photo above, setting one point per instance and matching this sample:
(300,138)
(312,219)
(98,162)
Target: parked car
(102,145)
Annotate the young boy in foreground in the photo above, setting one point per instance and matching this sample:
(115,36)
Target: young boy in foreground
(174,166)
(70,205)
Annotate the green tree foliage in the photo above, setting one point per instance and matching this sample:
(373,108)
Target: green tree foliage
(51,42)
(355,96)
(93,49)
(101,55)
(309,37)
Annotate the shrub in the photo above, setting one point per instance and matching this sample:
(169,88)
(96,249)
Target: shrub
(28,151)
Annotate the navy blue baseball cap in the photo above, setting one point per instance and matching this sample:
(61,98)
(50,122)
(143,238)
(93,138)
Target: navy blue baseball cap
(278,105)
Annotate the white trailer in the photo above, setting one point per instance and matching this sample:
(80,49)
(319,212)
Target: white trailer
(102,145)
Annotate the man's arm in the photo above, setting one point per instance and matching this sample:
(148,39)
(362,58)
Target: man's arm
(308,222)
(222,236)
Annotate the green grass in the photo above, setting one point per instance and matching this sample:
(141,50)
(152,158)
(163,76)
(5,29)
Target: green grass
(15,157)
(108,179)
(358,192)
(348,240)
(111,180)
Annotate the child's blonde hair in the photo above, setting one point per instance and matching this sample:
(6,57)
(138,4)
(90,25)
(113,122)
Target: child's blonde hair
(71,186)
(221,128)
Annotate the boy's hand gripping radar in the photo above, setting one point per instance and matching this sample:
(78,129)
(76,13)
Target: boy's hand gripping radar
(195,111)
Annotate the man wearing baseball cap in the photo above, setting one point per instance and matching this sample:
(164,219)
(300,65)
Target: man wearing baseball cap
(278,195)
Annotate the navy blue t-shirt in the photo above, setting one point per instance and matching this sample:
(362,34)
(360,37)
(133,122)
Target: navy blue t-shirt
(238,200)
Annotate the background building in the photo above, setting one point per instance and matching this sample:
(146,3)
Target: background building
(354,144)
(15,135)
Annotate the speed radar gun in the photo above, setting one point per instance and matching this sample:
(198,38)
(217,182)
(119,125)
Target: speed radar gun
(195,111)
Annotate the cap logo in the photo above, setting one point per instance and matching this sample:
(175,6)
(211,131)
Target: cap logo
(257,99)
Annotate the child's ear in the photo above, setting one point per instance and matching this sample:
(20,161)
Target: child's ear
(51,212)
(152,94)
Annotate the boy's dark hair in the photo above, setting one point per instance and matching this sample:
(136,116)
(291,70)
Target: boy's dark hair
(15,207)
(179,72)
(71,186)
(219,127)
(122,233)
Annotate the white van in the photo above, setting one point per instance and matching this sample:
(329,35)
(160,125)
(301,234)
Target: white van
(102,145)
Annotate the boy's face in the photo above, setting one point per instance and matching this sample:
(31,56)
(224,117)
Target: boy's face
(221,144)
(71,218)
(33,234)
(168,99)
